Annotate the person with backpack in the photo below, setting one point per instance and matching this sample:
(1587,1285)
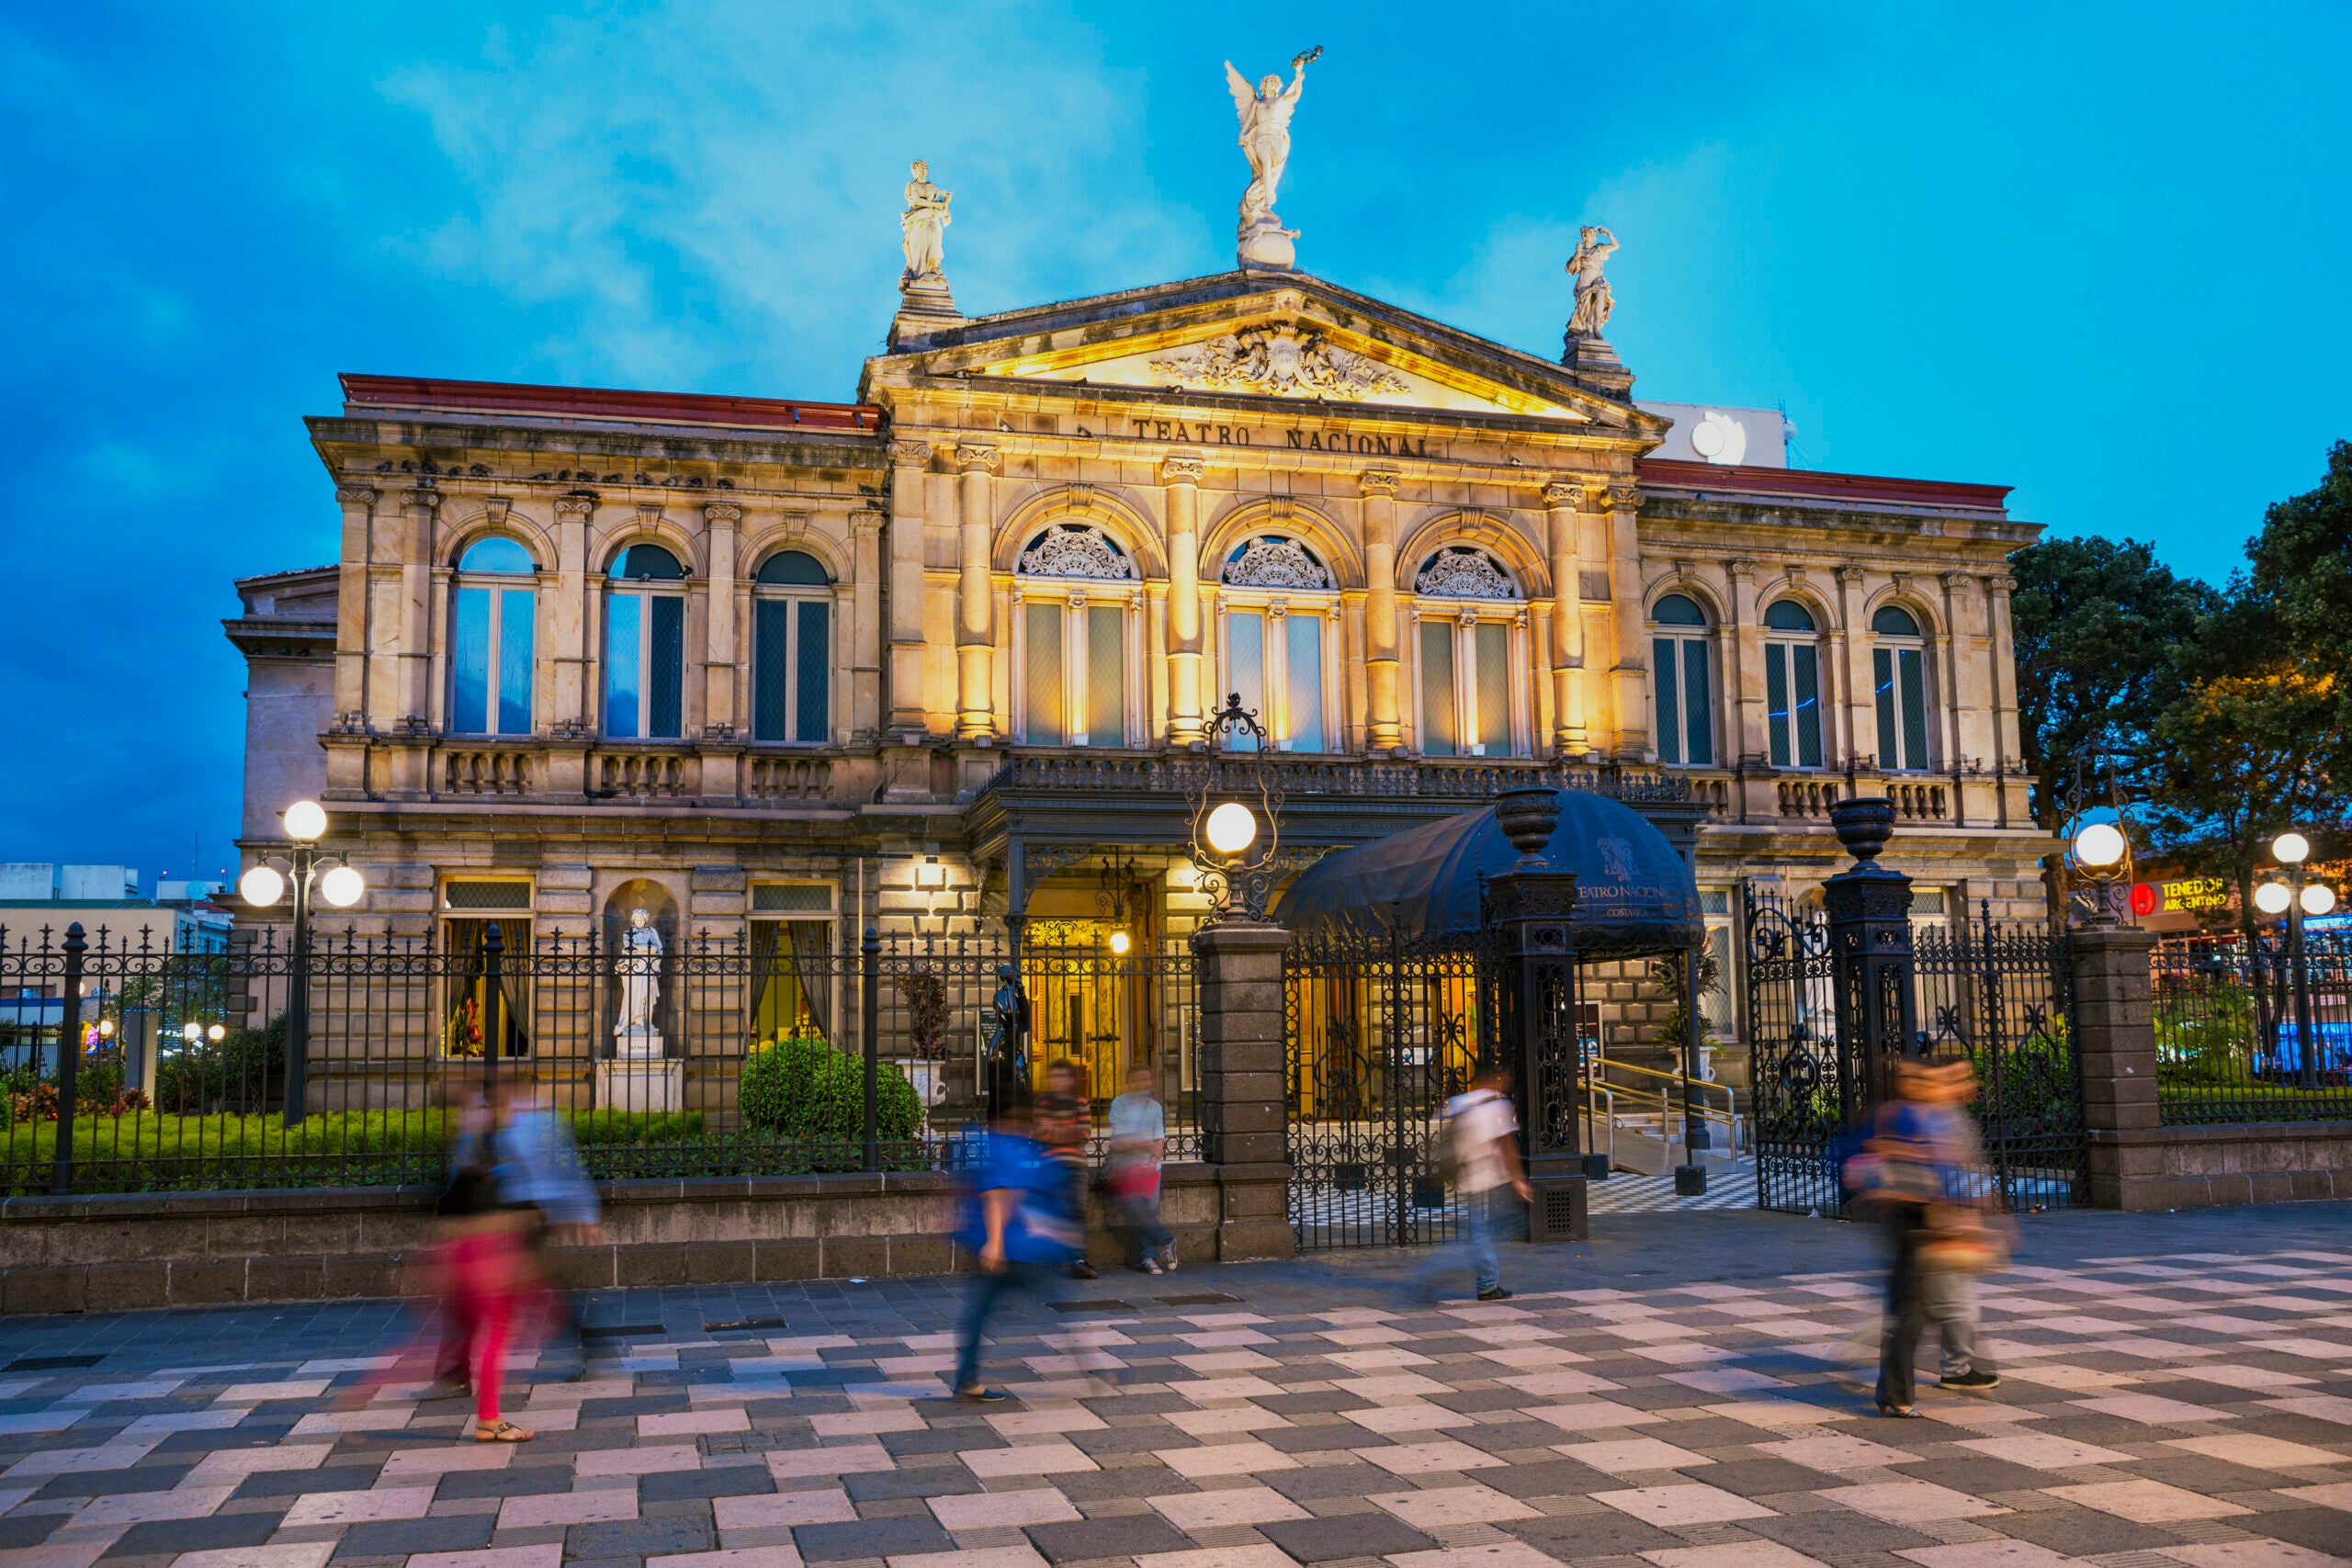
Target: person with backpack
(1019,1223)
(1482,1157)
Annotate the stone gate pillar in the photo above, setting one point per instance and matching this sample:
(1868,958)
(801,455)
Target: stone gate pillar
(1241,1062)
(2114,1033)
(1869,906)
(1529,907)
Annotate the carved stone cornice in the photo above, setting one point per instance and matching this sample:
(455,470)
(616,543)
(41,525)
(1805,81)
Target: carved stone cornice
(1563,495)
(910,454)
(719,512)
(1182,470)
(978,460)
(1382,482)
(356,495)
(578,506)
(649,515)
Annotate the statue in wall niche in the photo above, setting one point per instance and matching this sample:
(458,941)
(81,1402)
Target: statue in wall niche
(922,229)
(1265,112)
(1594,301)
(639,967)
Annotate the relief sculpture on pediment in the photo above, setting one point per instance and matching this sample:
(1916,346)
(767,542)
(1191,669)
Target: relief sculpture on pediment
(1283,361)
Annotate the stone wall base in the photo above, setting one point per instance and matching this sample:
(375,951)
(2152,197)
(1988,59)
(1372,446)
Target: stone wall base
(2199,1167)
(117,1252)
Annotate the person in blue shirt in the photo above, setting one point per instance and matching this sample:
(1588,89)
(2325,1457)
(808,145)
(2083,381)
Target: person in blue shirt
(1018,1221)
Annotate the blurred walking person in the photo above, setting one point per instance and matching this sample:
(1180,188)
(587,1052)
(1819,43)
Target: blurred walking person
(538,1171)
(1019,1223)
(1481,1148)
(1064,1123)
(1138,1150)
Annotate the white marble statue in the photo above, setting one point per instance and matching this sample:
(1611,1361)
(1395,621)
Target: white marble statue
(1594,301)
(922,229)
(639,967)
(1265,111)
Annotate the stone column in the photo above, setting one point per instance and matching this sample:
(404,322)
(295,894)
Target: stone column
(418,509)
(866,637)
(570,713)
(1570,738)
(1629,682)
(1384,731)
(975,596)
(910,463)
(1241,1056)
(1869,906)
(2001,648)
(1853,639)
(2114,1035)
(720,655)
(1179,478)
(351,649)
(1744,665)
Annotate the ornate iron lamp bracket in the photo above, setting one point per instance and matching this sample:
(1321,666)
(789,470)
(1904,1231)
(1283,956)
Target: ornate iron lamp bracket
(1223,770)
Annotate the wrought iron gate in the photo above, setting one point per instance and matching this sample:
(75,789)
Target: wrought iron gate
(2001,997)
(1381,1034)
(1809,1084)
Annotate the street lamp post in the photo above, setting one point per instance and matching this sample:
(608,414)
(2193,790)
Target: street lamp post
(2294,897)
(340,884)
(1233,848)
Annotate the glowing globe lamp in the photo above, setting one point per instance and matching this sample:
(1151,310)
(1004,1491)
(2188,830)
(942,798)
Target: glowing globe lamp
(1119,943)
(2272,897)
(1231,829)
(2318,898)
(2100,844)
(342,887)
(2290,848)
(306,820)
(261,886)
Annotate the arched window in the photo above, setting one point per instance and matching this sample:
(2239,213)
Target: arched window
(1076,668)
(1899,663)
(645,646)
(792,608)
(1280,601)
(1686,718)
(1471,635)
(492,619)
(1792,686)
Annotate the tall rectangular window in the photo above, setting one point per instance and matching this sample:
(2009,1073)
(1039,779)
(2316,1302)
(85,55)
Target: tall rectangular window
(1245,657)
(1902,682)
(490,661)
(1106,675)
(1491,643)
(1686,734)
(791,671)
(1303,683)
(812,685)
(1041,684)
(665,658)
(1438,718)
(1793,704)
(624,647)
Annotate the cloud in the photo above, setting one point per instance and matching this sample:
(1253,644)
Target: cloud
(714,194)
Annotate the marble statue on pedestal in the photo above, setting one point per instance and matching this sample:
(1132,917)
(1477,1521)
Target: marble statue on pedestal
(1594,301)
(639,967)
(922,228)
(1265,111)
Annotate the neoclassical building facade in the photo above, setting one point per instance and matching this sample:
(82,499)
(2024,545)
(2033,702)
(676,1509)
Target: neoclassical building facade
(925,655)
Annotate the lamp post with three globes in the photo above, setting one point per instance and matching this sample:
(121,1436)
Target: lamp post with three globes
(340,884)
(2295,894)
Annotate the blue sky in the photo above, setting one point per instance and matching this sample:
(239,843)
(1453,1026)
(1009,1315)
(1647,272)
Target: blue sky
(2093,252)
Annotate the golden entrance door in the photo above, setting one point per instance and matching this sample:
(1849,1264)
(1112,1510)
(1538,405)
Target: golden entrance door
(1087,1003)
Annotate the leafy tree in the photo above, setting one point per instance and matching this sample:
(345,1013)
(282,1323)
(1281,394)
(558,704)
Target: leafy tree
(2099,625)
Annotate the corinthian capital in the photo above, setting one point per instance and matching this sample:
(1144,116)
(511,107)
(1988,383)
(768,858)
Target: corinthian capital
(977,459)
(1182,470)
(1379,482)
(718,513)
(356,495)
(1625,497)
(910,454)
(1562,495)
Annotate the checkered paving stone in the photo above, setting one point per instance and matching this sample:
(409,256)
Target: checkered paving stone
(2181,1410)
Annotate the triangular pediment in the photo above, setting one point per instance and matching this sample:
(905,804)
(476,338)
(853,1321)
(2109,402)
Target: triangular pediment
(1289,338)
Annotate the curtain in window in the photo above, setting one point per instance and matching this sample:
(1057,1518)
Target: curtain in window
(1491,645)
(1106,675)
(666,652)
(1245,657)
(1303,653)
(1041,654)
(467,1018)
(814,678)
(812,967)
(772,670)
(1438,723)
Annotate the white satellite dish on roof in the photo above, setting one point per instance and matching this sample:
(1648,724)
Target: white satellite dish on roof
(1719,438)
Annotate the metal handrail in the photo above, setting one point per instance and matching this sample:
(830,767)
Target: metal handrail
(1731,1101)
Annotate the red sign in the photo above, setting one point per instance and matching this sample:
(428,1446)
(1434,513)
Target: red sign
(2144,900)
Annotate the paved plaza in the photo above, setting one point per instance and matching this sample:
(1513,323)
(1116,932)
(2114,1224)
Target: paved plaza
(1673,1394)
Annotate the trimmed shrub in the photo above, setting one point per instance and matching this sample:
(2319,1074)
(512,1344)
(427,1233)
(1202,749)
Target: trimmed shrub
(805,1089)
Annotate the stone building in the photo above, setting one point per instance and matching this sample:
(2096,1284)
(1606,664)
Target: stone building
(927,655)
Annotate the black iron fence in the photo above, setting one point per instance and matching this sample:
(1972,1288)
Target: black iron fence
(127,1066)
(2230,1045)
(2000,997)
